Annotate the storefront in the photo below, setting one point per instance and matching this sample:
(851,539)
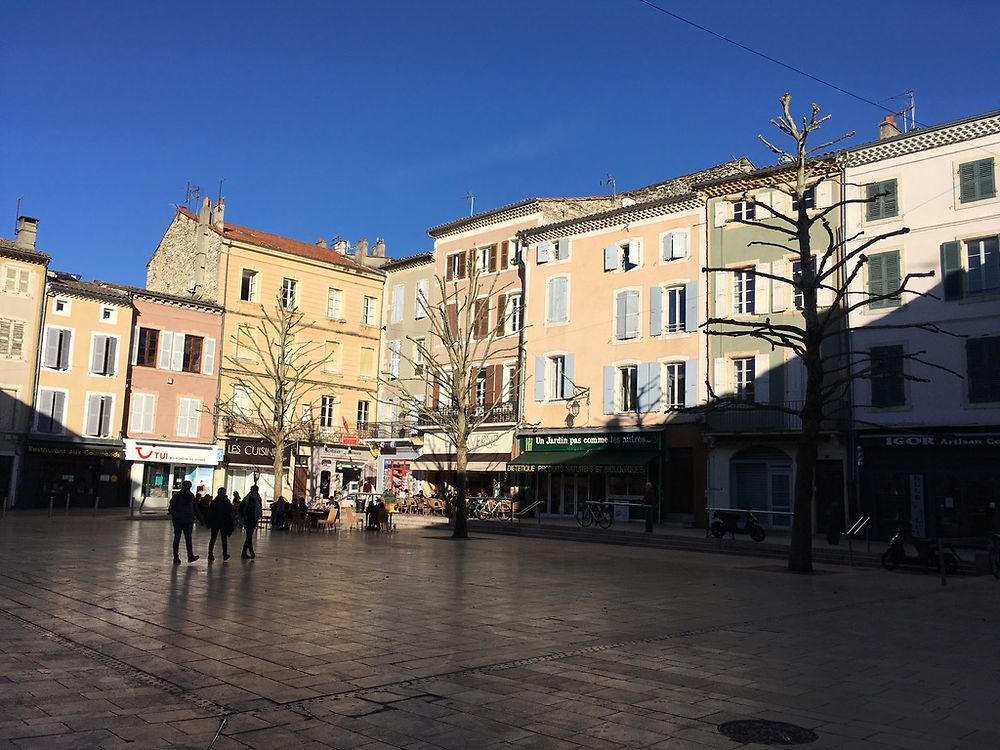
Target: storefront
(562,470)
(341,469)
(83,474)
(158,469)
(250,461)
(436,470)
(931,482)
(395,467)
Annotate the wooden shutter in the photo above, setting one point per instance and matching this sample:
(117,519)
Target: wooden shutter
(504,254)
(562,249)
(611,257)
(632,315)
(762,379)
(208,357)
(449,270)
(105,408)
(10,279)
(721,213)
(539,378)
(609,389)
(794,382)
(778,288)
(655,311)
(97,356)
(690,383)
(666,247)
(93,427)
(177,352)
(891,280)
(621,310)
(501,314)
(111,358)
(138,407)
(461,266)
(648,378)
(569,375)
(985,183)
(720,377)
(166,344)
(678,245)
(967,182)
(691,306)
(452,332)
(951,270)
(24,278)
(723,305)
(45,415)
(435,392)
(6,335)
(761,303)
(542,252)
(491,384)
(134,355)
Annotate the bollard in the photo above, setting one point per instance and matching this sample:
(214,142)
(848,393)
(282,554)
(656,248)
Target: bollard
(52,499)
(97,500)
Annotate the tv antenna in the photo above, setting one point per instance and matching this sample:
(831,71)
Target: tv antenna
(471,197)
(909,112)
(610,180)
(192,193)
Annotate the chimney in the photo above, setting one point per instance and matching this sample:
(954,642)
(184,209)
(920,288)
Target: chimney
(218,214)
(361,251)
(888,128)
(379,250)
(205,214)
(339,245)
(27,229)
(321,243)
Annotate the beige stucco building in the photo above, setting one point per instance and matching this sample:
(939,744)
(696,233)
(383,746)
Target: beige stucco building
(22,271)
(246,270)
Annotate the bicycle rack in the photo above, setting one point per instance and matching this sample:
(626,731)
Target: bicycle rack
(861,523)
(531,507)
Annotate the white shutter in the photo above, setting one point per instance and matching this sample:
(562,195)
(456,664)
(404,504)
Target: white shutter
(634,252)
(778,288)
(182,416)
(720,377)
(166,344)
(761,301)
(824,296)
(723,306)
(51,356)
(721,213)
(824,194)
(177,353)
(10,279)
(194,417)
(678,245)
(781,202)
(794,382)
(93,426)
(138,405)
(135,345)
(762,378)
(208,357)
(690,383)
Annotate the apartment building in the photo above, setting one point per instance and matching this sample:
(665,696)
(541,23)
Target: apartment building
(247,271)
(75,441)
(928,417)
(22,269)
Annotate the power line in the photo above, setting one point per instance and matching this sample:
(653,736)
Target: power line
(767,57)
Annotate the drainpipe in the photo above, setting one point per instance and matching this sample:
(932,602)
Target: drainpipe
(45,293)
(852,441)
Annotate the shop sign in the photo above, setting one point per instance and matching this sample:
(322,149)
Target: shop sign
(580,469)
(195,455)
(75,451)
(255,453)
(970,440)
(590,441)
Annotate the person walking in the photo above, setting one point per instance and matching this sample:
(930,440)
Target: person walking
(649,500)
(252,510)
(183,511)
(220,520)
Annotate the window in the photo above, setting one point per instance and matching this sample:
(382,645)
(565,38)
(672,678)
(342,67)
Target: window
(363,408)
(395,348)
(288,291)
(244,343)
(627,315)
(797,299)
(57,348)
(481,319)
(809,198)
(367,362)
(192,353)
(676,314)
(556,378)
(145,353)
(16,280)
(248,285)
(188,417)
(109,315)
(976,181)
(8,408)
(883,278)
(744,211)
(51,411)
(983,363)
(883,201)
(241,401)
(335,304)
(886,376)
(328,411)
(397,304)
(418,356)
(983,263)
(481,389)
(486,259)
(508,393)
(743,291)
(513,313)
(61,307)
(143,413)
(368,311)
(98,422)
(674,246)
(103,355)
(623,256)
(557,302)
(743,378)
(673,385)
(420,308)
(455,266)
(558,250)
(628,388)
(331,356)
(11,338)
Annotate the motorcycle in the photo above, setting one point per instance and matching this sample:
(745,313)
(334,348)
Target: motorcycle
(926,554)
(728,522)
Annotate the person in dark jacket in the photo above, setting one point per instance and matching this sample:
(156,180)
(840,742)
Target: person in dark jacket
(183,511)
(251,511)
(220,520)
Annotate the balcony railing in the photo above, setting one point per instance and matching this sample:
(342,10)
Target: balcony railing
(738,418)
(494,414)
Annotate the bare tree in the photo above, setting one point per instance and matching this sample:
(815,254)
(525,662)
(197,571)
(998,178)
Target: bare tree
(272,377)
(830,268)
(453,361)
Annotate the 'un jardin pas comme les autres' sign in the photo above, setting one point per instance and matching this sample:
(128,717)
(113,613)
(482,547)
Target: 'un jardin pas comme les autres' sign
(589,442)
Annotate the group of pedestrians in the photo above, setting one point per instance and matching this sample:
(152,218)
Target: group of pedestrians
(220,516)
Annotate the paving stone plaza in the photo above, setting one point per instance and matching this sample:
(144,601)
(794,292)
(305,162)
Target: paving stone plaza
(413,640)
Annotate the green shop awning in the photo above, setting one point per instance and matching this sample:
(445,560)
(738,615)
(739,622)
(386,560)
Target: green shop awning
(611,461)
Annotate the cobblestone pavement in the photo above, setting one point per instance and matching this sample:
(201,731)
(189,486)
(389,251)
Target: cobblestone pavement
(413,640)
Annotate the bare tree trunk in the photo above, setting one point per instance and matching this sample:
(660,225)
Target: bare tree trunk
(462,490)
(800,554)
(279,468)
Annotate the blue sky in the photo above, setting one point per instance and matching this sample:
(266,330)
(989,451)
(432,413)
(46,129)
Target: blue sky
(368,119)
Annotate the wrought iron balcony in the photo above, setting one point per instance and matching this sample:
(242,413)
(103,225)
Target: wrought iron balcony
(737,418)
(504,413)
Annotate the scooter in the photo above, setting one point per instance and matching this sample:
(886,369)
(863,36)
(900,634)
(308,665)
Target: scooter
(727,522)
(926,557)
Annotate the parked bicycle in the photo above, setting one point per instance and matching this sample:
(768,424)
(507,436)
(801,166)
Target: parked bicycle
(590,512)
